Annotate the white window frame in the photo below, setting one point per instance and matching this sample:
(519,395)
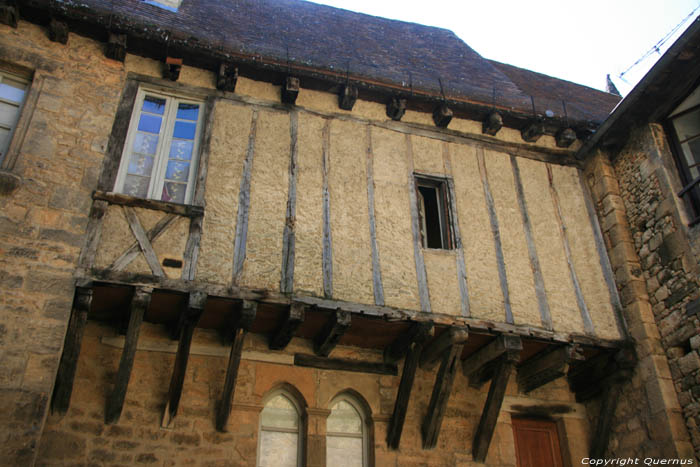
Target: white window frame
(160,162)
(300,432)
(13,127)
(363,420)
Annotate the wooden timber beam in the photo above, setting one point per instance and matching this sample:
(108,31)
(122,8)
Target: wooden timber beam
(240,329)
(482,439)
(284,334)
(116,47)
(442,115)
(492,123)
(430,429)
(410,344)
(172,68)
(532,132)
(190,316)
(290,90)
(588,379)
(565,137)
(227,78)
(395,108)
(479,367)
(347,96)
(344,364)
(328,338)
(547,366)
(58,31)
(433,351)
(610,396)
(71,350)
(115,401)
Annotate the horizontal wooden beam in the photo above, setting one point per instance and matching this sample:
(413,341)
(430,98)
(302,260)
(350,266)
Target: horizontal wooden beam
(546,366)
(343,364)
(326,340)
(126,200)
(417,333)
(435,349)
(292,321)
(478,368)
(430,429)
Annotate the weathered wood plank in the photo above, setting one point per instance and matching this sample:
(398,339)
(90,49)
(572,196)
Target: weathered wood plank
(71,350)
(493,217)
(326,340)
(435,349)
(153,204)
(93,234)
(546,366)
(58,31)
(116,47)
(327,254)
(203,164)
(492,407)
(347,96)
(115,402)
(294,318)
(144,243)
(290,90)
(247,315)
(611,394)
(134,250)
(430,429)
(191,253)
(475,367)
(241,235)
(398,416)
(417,333)
(191,314)
(378,287)
(344,364)
(289,235)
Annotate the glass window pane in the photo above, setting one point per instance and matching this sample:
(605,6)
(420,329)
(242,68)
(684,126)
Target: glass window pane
(4,142)
(145,143)
(8,114)
(278,449)
(150,123)
(135,185)
(12,90)
(344,419)
(184,130)
(343,452)
(691,153)
(279,412)
(174,192)
(154,105)
(188,111)
(140,164)
(688,125)
(181,149)
(178,171)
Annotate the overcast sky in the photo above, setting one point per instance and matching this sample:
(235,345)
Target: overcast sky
(580,41)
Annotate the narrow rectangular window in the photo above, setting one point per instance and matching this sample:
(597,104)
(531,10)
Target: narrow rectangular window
(13,90)
(433,208)
(160,155)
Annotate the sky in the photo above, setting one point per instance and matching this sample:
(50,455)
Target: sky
(579,41)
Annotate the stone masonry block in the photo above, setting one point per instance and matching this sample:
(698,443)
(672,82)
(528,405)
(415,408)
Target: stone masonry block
(610,203)
(689,363)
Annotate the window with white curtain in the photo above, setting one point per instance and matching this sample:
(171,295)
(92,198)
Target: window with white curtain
(280,434)
(346,434)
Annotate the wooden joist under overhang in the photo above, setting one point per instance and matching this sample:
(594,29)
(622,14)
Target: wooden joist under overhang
(486,351)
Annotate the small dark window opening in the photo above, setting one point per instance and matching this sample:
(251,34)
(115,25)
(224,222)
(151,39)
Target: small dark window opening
(433,208)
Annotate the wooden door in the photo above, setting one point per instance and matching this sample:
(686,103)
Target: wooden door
(536,443)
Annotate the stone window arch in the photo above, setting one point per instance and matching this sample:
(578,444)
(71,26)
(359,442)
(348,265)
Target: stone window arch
(349,432)
(281,430)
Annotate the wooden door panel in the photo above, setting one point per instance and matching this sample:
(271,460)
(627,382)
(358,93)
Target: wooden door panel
(536,443)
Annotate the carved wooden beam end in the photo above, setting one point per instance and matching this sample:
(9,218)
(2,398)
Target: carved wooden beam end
(479,367)
(565,137)
(347,96)
(533,131)
(395,108)
(492,124)
(58,31)
(442,115)
(434,350)
(227,78)
(172,68)
(328,338)
(9,12)
(290,90)
(417,333)
(547,366)
(116,47)
(294,319)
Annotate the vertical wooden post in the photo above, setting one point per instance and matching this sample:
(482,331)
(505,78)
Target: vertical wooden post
(71,350)
(115,401)
(611,393)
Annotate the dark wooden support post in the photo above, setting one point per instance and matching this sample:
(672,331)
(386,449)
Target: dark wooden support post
(240,329)
(290,90)
(441,394)
(328,338)
(294,318)
(433,351)
(588,379)
(58,31)
(533,131)
(611,394)
(191,314)
(547,366)
(492,124)
(9,12)
(172,68)
(565,137)
(494,400)
(227,78)
(412,342)
(71,350)
(442,115)
(116,47)
(347,96)
(479,366)
(115,401)
(395,108)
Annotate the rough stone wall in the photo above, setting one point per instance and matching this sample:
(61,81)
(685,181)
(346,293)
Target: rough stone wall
(81,437)
(668,267)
